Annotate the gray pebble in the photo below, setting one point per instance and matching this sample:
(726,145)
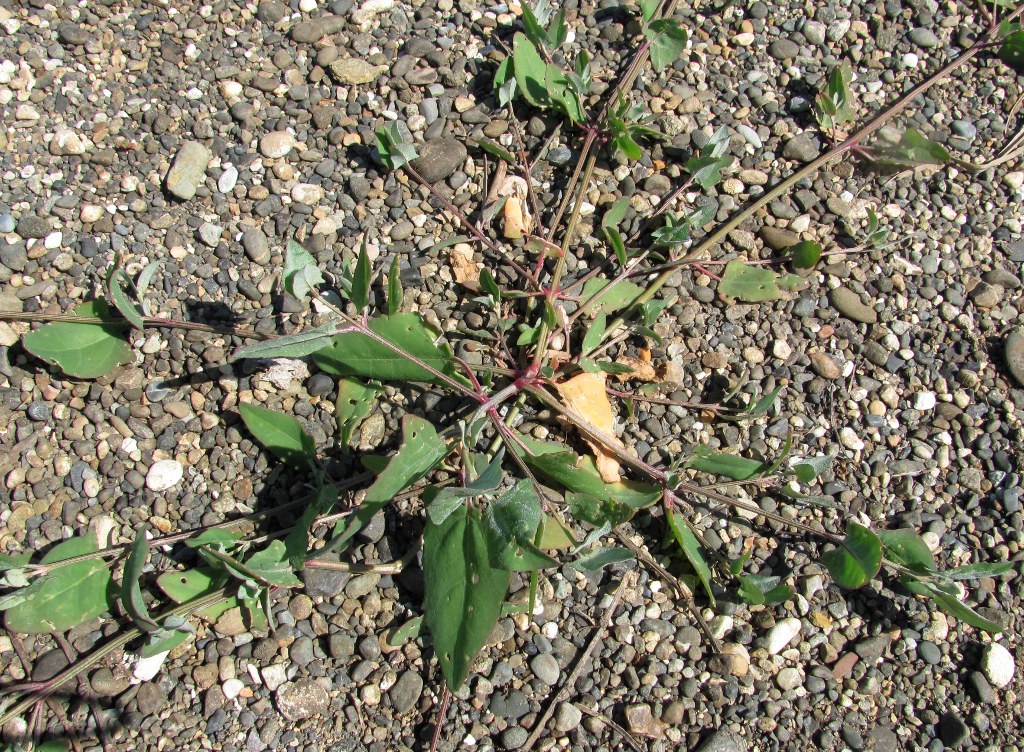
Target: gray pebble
(406,692)
(848,303)
(924,37)
(545,668)
(439,158)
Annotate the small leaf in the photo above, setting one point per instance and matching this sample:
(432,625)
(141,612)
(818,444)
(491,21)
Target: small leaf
(833,107)
(729,465)
(355,354)
(554,534)
(355,402)
(131,592)
(300,271)
(497,150)
(647,9)
(558,31)
(592,339)
(395,637)
(394,150)
(600,558)
(121,301)
(809,468)
(977,571)
(65,597)
(419,453)
(85,351)
(707,171)
(280,433)
(440,502)
(489,286)
(394,288)
(530,71)
(505,85)
(857,560)
(963,612)
(1011,51)
(759,590)
(717,145)
(360,293)
(462,591)
(272,566)
(296,543)
(906,547)
(751,284)
(511,523)
(598,512)
(667,40)
(804,255)
(912,150)
(621,295)
(291,345)
(692,550)
(215,537)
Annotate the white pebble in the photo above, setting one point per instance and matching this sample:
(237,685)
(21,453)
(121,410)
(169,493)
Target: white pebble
(228,179)
(53,240)
(232,688)
(997,665)
(164,474)
(782,634)
(307,6)
(1014,179)
(910,60)
(781,349)
(307,193)
(91,213)
(924,401)
(849,439)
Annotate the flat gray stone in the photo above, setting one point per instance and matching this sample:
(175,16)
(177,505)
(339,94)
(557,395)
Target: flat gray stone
(1014,353)
(301,699)
(439,158)
(722,741)
(406,692)
(314,29)
(848,303)
(188,171)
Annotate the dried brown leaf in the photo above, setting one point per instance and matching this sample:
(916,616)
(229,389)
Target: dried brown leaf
(586,394)
(640,369)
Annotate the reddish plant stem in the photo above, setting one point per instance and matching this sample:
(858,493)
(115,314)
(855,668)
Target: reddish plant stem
(157,321)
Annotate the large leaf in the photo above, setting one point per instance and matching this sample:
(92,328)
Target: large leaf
(355,402)
(419,453)
(600,558)
(280,433)
(356,354)
(691,549)
(853,563)
(598,512)
(462,591)
(510,523)
(66,596)
(291,345)
(1012,51)
(86,351)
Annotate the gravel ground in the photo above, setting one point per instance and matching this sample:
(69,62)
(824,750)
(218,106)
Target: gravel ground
(205,135)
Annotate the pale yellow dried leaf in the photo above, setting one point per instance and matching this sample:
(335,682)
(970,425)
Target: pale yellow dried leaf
(464,268)
(640,370)
(587,396)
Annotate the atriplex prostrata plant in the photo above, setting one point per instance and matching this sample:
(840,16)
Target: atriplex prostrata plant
(551,351)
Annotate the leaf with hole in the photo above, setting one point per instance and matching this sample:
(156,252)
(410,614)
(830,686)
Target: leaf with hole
(692,550)
(667,41)
(66,596)
(462,591)
(355,402)
(85,351)
(1011,51)
(857,559)
(353,353)
(282,434)
(510,524)
(421,450)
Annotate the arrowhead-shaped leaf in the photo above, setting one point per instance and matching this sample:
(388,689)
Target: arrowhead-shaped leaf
(463,591)
(853,563)
(86,351)
(511,522)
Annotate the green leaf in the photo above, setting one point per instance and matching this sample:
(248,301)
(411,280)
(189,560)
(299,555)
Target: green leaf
(532,25)
(598,512)
(85,351)
(600,558)
(14,561)
(963,612)
(595,332)
(809,468)
(805,254)
(489,286)
(579,474)
(759,590)
(707,171)
(729,465)
(717,145)
(906,547)
(833,107)
(505,84)
(558,31)
(440,502)
(629,148)
(751,284)
(562,95)
(394,288)
(66,596)
(131,591)
(280,433)
(291,345)
(857,560)
(397,636)
(215,537)
(667,40)
(497,150)
(912,150)
(296,543)
(614,216)
(530,71)
(554,535)
(189,584)
(511,523)
(355,354)
(355,402)
(977,571)
(419,453)
(360,293)
(647,9)
(120,299)
(1011,51)
(300,273)
(692,550)
(462,591)
(618,297)
(394,150)
(272,566)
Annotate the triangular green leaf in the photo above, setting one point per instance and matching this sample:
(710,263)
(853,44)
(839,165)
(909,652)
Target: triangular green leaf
(85,351)
(300,271)
(280,433)
(510,523)
(857,560)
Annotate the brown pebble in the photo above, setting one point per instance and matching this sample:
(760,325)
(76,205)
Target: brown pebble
(825,366)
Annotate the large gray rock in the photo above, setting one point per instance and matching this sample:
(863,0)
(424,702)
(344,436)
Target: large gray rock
(354,71)
(188,171)
(439,158)
(302,699)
